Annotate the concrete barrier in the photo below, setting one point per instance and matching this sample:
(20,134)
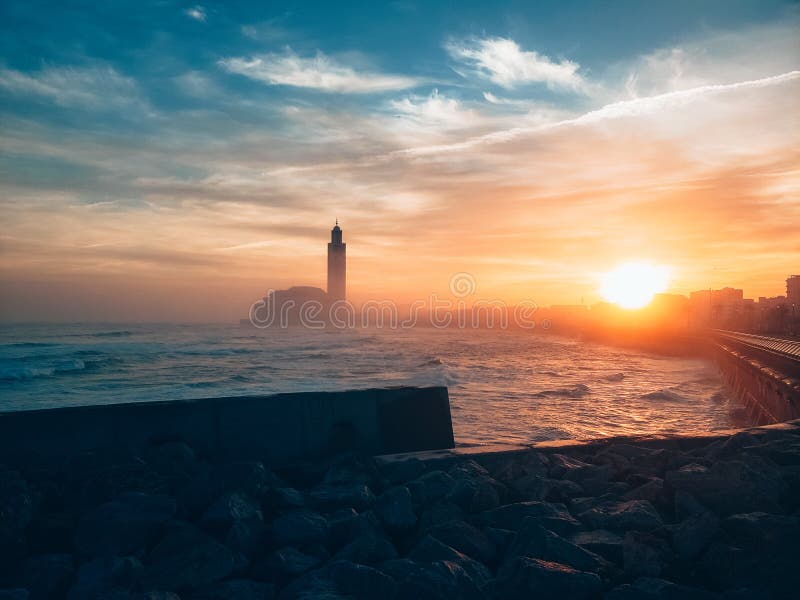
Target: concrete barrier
(277,428)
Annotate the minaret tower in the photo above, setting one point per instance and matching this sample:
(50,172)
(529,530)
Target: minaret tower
(337,265)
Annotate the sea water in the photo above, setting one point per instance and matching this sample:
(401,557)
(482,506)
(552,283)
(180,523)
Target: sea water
(505,386)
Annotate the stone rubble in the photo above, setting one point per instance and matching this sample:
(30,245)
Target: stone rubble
(658,518)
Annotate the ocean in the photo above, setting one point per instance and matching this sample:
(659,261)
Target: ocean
(505,386)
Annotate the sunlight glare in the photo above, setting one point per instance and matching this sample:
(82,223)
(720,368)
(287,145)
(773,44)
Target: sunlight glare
(632,285)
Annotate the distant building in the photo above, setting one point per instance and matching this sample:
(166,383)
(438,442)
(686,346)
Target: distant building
(793,290)
(721,309)
(337,266)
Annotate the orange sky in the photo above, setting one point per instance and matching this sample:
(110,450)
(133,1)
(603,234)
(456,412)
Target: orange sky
(691,160)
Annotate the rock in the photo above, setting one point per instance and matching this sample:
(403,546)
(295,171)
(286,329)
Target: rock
(474,495)
(440,579)
(601,542)
(652,491)
(341,579)
(124,525)
(439,513)
(552,516)
(727,567)
(15,594)
(394,509)
(643,554)
(561,464)
(284,564)
(693,534)
(534,487)
(235,589)
(299,527)
(594,479)
(776,533)
(687,505)
(525,578)
(48,576)
(431,550)
(249,477)
(186,558)
(357,495)
(649,588)
(501,538)
(230,509)
(623,516)
(340,474)
(534,541)
(430,487)
(244,537)
(465,538)
(731,487)
(102,575)
(282,498)
(367,550)
(582,504)
(347,525)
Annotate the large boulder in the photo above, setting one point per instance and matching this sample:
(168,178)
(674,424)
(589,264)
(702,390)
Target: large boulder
(186,558)
(299,527)
(600,541)
(368,550)
(534,541)
(124,525)
(525,577)
(433,580)
(465,538)
(341,579)
(552,516)
(284,564)
(356,495)
(430,487)
(235,589)
(48,575)
(650,588)
(395,509)
(730,487)
(432,550)
(102,576)
(693,534)
(759,530)
(644,554)
(638,515)
(230,509)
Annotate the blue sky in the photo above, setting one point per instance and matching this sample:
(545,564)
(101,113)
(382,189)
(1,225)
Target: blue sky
(158,145)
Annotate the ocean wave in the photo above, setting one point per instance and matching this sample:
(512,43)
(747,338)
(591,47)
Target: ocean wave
(614,377)
(433,362)
(28,345)
(663,395)
(576,391)
(23,373)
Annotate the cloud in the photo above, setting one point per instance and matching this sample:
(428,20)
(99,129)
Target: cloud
(434,110)
(614,110)
(319,72)
(90,87)
(503,62)
(198,13)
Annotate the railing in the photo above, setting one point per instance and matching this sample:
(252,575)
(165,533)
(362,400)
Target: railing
(786,349)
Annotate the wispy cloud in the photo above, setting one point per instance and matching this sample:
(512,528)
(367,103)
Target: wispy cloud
(91,87)
(435,110)
(198,13)
(615,110)
(319,72)
(502,61)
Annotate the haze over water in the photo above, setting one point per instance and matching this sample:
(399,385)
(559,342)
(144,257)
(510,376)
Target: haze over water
(504,386)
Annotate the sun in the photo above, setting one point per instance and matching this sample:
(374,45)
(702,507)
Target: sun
(633,284)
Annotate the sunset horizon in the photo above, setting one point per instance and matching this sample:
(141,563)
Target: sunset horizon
(535,161)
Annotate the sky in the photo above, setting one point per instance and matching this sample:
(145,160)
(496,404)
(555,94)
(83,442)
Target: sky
(173,161)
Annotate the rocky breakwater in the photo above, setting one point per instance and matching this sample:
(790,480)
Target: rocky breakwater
(706,517)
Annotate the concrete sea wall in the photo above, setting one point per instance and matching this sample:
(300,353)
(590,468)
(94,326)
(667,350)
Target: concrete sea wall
(278,428)
(768,395)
